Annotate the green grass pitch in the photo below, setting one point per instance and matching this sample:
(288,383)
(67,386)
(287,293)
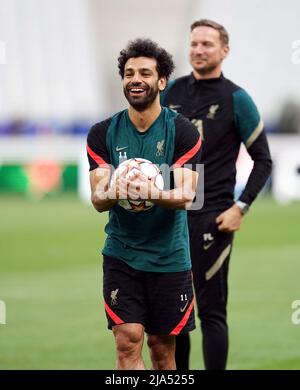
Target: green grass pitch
(50,280)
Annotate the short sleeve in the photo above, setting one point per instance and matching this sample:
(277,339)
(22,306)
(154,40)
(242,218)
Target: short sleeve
(187,143)
(97,151)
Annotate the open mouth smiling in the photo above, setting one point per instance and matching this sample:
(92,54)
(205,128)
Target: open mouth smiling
(136,90)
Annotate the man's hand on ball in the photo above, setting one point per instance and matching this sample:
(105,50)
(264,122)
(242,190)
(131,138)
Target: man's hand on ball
(119,187)
(140,187)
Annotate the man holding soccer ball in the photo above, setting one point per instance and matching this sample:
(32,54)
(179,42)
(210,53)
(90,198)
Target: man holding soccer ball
(147,267)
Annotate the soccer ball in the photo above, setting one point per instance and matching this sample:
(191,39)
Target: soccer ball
(149,170)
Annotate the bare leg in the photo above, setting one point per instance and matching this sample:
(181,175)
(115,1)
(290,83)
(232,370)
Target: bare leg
(129,340)
(162,352)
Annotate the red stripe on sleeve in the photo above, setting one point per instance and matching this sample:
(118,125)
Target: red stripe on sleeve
(178,328)
(117,320)
(188,155)
(96,158)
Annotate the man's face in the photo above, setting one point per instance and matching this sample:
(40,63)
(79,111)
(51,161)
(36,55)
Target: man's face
(141,82)
(206,50)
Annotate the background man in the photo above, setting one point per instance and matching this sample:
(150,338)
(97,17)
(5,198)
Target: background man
(225,116)
(147,267)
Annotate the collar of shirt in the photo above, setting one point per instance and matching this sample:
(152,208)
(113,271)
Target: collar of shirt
(193,81)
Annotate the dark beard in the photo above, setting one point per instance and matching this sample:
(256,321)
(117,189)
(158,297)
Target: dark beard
(141,104)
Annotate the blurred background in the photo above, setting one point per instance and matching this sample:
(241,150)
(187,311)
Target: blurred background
(58,76)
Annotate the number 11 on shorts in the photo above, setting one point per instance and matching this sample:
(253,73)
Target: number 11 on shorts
(183,297)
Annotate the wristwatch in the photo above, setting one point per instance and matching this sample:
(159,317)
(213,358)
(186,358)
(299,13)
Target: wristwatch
(244,207)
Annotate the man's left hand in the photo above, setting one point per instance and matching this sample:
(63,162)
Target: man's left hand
(140,187)
(230,220)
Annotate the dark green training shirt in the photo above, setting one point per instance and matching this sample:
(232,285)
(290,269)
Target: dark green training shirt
(226,116)
(155,240)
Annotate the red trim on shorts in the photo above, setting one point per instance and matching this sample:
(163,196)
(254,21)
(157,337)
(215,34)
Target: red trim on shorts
(181,324)
(96,158)
(186,157)
(117,320)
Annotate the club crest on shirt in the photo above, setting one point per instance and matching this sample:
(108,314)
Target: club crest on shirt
(160,148)
(212,111)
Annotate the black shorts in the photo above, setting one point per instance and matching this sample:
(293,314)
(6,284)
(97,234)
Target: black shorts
(162,302)
(210,253)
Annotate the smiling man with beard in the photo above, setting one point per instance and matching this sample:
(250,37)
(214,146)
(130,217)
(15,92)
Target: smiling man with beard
(140,95)
(147,269)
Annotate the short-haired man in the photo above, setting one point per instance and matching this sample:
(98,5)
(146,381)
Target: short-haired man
(226,116)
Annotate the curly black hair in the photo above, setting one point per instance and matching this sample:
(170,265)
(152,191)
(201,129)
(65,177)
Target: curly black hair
(147,48)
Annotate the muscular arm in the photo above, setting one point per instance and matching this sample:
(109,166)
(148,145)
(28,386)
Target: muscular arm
(101,194)
(181,197)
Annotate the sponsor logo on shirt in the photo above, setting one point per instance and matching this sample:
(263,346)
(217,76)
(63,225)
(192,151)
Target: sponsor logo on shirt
(120,149)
